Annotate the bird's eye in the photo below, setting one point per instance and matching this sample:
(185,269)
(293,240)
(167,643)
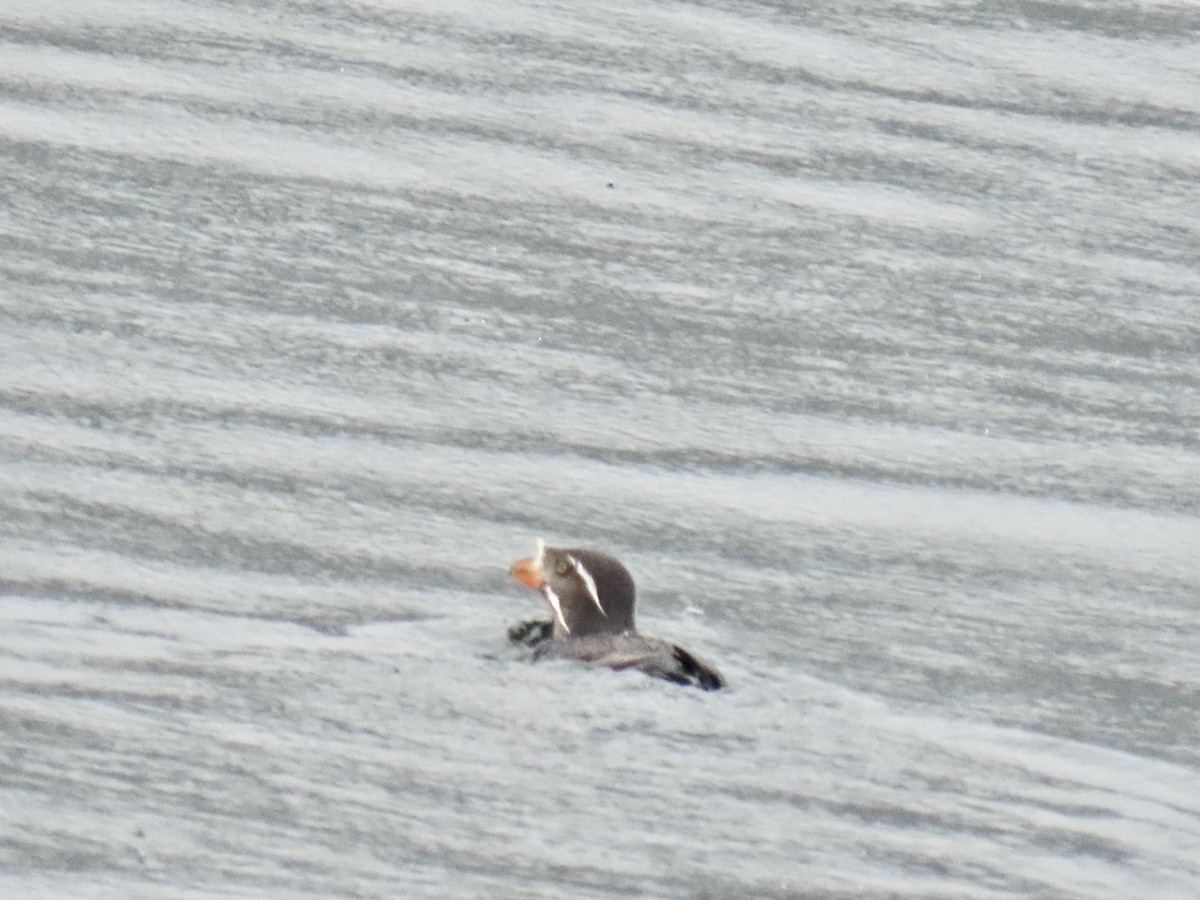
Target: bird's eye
(562,568)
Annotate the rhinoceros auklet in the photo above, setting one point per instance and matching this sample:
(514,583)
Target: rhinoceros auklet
(592,597)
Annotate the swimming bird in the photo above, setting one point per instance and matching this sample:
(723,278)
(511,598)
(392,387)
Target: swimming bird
(592,597)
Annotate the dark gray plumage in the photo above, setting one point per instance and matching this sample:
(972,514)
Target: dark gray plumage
(592,596)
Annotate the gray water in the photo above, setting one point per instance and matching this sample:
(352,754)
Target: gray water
(865,334)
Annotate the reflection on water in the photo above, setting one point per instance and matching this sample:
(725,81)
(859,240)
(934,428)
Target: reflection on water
(876,364)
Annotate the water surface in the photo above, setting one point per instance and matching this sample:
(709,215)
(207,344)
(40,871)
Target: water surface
(864,334)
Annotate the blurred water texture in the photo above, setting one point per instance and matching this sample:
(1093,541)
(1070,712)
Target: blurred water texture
(865,334)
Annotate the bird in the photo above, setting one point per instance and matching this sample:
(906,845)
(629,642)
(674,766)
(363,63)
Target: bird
(592,596)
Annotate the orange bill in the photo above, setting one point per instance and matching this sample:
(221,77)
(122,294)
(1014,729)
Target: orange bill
(527,571)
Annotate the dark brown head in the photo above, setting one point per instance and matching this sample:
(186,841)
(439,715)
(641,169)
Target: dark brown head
(590,592)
